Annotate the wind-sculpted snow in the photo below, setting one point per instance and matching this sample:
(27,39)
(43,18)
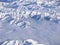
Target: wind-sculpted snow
(29,22)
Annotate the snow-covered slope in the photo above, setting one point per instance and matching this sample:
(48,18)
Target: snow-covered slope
(32,20)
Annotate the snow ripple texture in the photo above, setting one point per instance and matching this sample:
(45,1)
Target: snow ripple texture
(29,22)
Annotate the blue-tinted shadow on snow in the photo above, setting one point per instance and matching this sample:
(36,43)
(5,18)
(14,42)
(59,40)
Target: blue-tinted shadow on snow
(27,43)
(14,5)
(47,18)
(32,3)
(7,18)
(7,1)
(36,17)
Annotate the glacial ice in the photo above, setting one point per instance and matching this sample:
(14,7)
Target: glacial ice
(23,22)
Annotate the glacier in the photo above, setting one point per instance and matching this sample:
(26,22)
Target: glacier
(29,22)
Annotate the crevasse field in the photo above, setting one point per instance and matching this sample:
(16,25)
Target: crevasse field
(29,22)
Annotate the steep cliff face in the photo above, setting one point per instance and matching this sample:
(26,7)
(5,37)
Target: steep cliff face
(30,19)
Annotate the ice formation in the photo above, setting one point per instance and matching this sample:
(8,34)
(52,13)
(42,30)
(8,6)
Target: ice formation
(31,20)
